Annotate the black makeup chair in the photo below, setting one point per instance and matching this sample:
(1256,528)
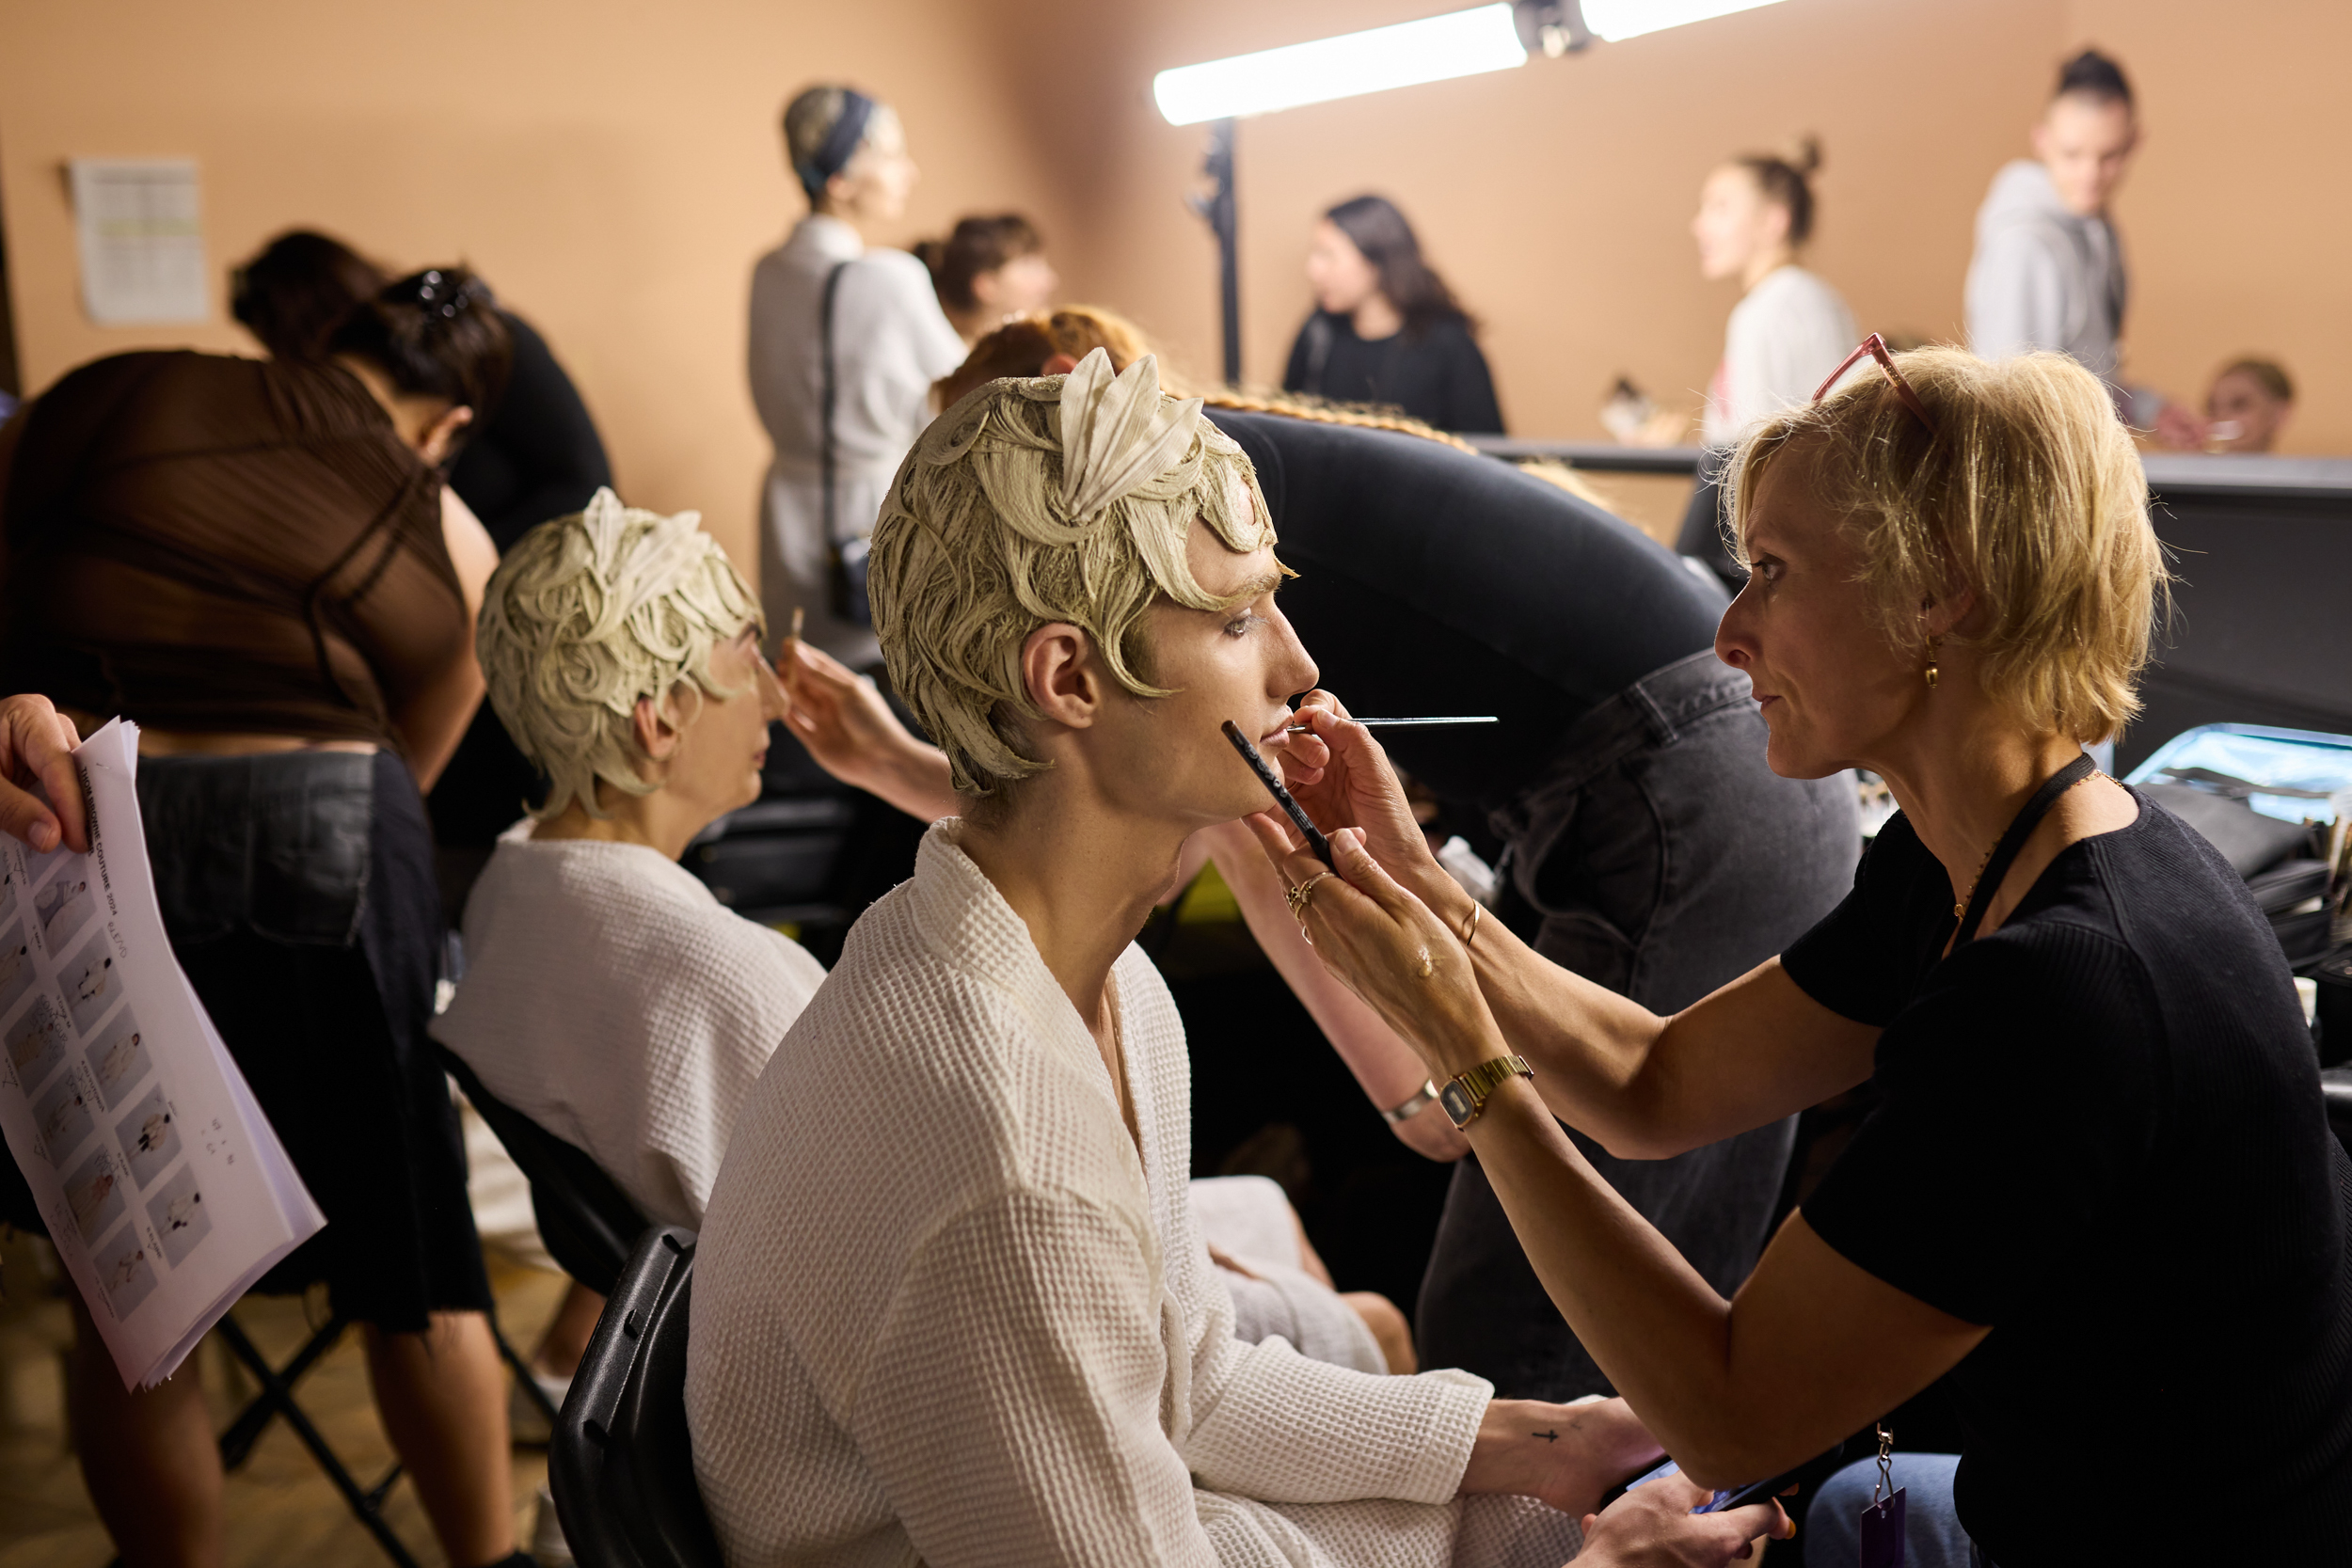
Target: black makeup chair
(622,1465)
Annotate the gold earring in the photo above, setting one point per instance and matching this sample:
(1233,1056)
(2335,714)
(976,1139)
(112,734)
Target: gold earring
(1931,670)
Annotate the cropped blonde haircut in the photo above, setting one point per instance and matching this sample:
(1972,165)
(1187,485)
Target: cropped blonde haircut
(2030,493)
(590,612)
(975,550)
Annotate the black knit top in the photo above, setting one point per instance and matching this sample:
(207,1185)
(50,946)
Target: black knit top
(2101,1132)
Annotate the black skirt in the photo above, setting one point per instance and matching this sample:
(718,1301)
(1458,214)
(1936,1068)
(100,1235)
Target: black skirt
(297,890)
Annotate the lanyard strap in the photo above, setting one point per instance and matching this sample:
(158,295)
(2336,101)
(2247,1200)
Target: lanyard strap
(2005,852)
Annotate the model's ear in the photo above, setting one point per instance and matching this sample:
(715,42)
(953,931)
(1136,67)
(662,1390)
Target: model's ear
(1060,675)
(1060,364)
(656,730)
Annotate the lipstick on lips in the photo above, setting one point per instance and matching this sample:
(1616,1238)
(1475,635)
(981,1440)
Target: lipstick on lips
(1291,808)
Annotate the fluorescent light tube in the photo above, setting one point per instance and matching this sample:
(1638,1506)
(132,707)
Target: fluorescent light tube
(1613,20)
(1462,43)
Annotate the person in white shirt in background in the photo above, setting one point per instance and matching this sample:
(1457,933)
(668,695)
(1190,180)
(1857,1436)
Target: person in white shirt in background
(1789,328)
(2048,271)
(890,343)
(951,1302)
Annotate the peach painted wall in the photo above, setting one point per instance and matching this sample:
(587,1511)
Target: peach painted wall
(613,169)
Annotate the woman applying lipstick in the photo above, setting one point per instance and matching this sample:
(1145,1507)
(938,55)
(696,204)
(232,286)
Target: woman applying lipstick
(2085,1040)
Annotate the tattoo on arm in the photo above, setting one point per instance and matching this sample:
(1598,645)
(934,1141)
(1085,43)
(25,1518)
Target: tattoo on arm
(1549,1437)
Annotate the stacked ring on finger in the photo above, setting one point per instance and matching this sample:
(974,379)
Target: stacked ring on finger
(1300,896)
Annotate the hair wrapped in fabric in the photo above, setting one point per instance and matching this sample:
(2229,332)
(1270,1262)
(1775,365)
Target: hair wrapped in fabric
(590,612)
(1039,500)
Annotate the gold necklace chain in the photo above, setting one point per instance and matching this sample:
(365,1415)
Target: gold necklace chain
(1960,906)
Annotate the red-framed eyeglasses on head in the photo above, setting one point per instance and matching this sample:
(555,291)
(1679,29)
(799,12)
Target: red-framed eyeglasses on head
(1875,347)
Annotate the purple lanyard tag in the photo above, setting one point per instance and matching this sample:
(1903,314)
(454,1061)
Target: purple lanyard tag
(1883,1518)
(1882,1532)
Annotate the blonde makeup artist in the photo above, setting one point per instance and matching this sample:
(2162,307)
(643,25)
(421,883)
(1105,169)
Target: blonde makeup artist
(2086,1043)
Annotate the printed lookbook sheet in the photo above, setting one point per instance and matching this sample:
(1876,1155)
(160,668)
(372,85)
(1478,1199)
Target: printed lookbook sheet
(164,1191)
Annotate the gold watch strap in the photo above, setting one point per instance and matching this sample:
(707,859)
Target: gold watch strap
(1464,1093)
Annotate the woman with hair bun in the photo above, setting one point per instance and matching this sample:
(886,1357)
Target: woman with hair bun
(988,270)
(846,340)
(1385,327)
(257,562)
(1755,214)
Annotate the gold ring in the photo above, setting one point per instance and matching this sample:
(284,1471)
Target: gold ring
(1303,894)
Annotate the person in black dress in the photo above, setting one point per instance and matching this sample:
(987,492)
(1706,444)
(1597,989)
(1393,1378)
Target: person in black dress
(1385,327)
(535,457)
(2098,1196)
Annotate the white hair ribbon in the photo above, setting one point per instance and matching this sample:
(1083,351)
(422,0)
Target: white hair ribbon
(662,554)
(1117,432)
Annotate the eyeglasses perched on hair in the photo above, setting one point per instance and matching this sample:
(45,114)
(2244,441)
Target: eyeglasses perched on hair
(1875,347)
(435,290)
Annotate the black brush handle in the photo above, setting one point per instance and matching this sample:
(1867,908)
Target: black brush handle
(1266,776)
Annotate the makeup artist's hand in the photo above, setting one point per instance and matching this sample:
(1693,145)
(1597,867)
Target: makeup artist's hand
(1356,787)
(1386,945)
(842,719)
(36,746)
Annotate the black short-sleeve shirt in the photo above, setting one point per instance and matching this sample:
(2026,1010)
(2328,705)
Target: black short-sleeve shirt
(2100,1132)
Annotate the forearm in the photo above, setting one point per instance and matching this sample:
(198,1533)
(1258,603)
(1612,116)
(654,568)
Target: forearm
(1384,1065)
(1593,1051)
(915,779)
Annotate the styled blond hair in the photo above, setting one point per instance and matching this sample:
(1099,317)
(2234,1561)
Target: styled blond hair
(2029,492)
(590,612)
(979,544)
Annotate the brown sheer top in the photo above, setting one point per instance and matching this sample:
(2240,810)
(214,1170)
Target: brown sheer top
(209,544)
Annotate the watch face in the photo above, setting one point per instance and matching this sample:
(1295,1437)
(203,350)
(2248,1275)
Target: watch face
(1458,1104)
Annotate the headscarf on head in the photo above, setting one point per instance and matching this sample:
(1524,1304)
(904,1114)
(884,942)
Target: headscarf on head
(840,145)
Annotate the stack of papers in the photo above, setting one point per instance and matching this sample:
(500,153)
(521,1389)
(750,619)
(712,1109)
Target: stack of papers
(164,1188)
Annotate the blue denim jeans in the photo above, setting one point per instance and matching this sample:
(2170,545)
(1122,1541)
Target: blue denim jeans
(1663,858)
(1931,1534)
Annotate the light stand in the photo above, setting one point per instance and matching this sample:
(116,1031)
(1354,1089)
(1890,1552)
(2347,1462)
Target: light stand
(1217,208)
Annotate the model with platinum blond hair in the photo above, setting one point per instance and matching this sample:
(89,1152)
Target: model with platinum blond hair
(609,995)
(952,1303)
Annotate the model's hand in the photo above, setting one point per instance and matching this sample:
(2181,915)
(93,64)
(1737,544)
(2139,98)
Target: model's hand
(36,746)
(1386,945)
(1353,785)
(1652,1527)
(842,719)
(1567,1455)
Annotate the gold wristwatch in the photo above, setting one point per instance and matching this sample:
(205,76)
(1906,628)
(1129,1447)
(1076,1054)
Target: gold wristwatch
(1464,1093)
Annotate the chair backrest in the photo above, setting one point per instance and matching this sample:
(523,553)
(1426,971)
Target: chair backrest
(622,1464)
(587,1222)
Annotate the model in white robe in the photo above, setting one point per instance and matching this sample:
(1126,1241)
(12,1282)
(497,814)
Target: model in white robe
(943,1312)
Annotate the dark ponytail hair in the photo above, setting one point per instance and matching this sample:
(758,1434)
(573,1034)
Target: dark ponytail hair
(1374,227)
(435,333)
(297,292)
(976,246)
(2094,75)
(1787,183)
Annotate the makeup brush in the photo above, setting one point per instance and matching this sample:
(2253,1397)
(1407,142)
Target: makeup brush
(1423,723)
(1266,776)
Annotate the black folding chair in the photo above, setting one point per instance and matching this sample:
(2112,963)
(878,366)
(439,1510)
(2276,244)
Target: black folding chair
(587,1222)
(622,1465)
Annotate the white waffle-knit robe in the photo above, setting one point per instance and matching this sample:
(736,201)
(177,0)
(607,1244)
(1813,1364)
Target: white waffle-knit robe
(944,1313)
(610,998)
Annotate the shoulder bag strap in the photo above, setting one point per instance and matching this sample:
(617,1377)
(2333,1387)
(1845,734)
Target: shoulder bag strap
(833,287)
